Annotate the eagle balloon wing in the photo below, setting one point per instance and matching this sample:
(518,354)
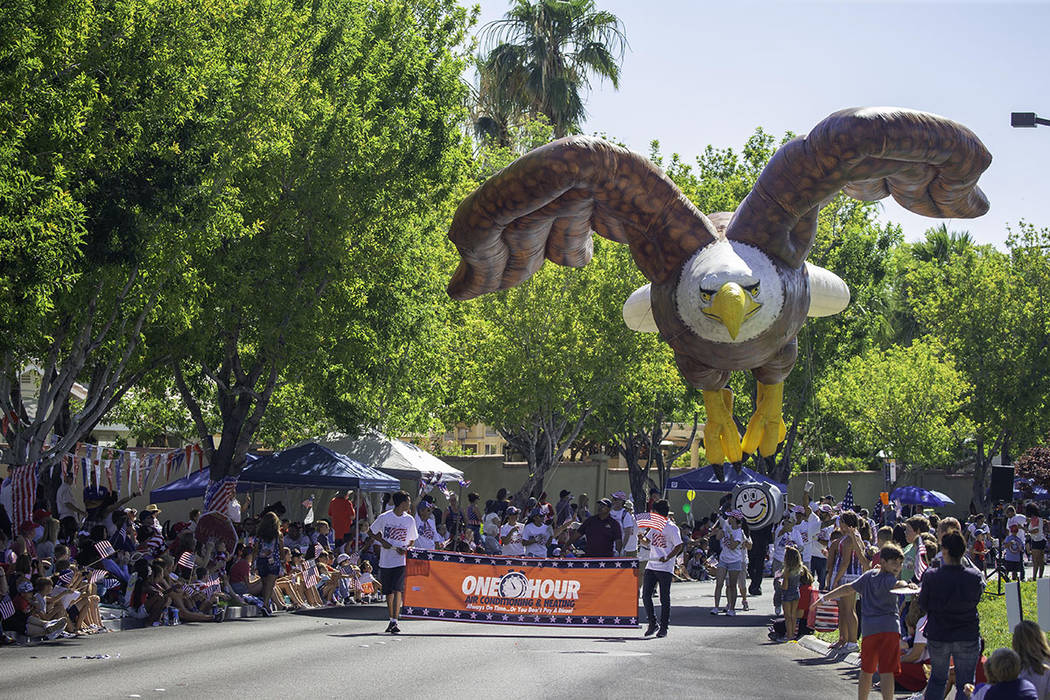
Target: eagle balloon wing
(545,205)
(928,163)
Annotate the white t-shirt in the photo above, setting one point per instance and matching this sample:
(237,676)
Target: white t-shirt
(511,536)
(660,545)
(800,538)
(780,544)
(920,638)
(543,533)
(1018,520)
(64,498)
(1035,529)
(812,550)
(728,555)
(627,528)
(427,533)
(398,530)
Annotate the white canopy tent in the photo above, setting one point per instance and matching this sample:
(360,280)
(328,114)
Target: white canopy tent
(397,458)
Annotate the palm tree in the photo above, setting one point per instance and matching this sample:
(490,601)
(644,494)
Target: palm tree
(542,54)
(941,245)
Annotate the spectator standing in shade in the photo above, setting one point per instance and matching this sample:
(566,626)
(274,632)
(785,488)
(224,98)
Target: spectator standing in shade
(563,509)
(341,512)
(949,595)
(602,532)
(67,506)
(453,516)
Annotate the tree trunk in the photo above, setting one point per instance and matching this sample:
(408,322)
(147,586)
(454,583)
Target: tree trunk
(979,496)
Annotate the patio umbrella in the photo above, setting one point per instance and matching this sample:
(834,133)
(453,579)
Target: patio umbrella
(915,496)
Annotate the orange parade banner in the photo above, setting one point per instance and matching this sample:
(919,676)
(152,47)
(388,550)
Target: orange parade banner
(521,591)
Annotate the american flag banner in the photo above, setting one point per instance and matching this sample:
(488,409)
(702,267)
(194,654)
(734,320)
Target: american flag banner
(920,560)
(318,549)
(186,560)
(7,608)
(219,494)
(427,482)
(651,520)
(23,479)
(310,575)
(847,500)
(104,549)
(464,483)
(107,469)
(876,514)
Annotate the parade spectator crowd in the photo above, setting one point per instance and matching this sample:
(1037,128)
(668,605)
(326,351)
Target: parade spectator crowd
(902,584)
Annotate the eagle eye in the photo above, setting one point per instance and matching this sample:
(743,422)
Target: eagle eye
(752,290)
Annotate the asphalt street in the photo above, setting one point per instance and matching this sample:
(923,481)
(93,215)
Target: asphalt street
(342,652)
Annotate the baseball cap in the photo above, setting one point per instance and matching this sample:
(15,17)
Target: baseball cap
(825,508)
(735,514)
(605,502)
(342,557)
(40,514)
(512,510)
(535,512)
(25,587)
(798,509)
(564,493)
(619,495)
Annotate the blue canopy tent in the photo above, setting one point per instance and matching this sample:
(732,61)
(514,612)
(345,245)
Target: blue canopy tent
(312,465)
(915,496)
(706,479)
(191,486)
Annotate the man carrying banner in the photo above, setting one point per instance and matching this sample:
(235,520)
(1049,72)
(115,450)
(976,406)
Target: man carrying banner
(395,531)
(665,545)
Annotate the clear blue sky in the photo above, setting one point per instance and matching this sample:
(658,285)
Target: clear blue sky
(701,72)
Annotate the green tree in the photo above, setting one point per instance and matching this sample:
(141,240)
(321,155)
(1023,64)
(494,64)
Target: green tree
(104,165)
(992,311)
(907,401)
(343,136)
(541,56)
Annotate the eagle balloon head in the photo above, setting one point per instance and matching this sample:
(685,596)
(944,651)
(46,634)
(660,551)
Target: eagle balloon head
(729,292)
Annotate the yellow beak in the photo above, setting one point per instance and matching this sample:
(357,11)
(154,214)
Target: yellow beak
(732,306)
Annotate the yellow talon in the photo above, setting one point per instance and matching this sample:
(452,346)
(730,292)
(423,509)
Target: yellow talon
(766,429)
(721,438)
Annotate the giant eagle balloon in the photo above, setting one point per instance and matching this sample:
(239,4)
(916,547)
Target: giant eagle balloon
(728,292)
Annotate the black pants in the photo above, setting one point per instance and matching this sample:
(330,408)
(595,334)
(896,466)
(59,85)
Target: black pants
(756,558)
(648,584)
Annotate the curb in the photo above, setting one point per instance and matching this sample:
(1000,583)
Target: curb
(821,648)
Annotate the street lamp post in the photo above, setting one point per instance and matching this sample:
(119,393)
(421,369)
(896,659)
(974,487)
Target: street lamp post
(1027,120)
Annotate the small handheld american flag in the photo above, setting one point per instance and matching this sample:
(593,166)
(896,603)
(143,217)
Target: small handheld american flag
(186,560)
(66,577)
(97,575)
(310,575)
(847,500)
(104,549)
(7,608)
(651,520)
(920,560)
